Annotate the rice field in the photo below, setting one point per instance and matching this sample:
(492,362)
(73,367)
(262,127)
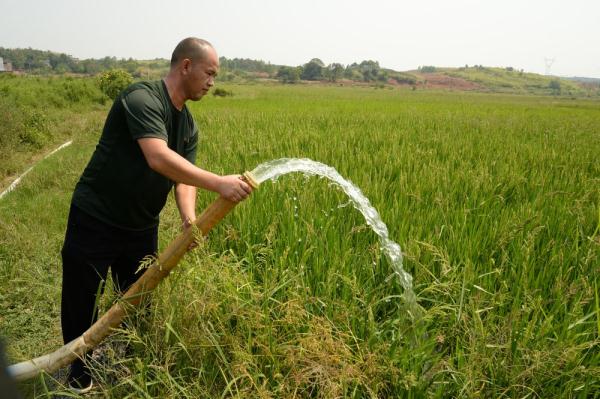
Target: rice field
(494,199)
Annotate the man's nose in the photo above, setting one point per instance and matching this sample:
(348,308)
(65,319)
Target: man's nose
(211,81)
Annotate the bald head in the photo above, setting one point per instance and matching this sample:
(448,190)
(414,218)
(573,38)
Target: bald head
(192,48)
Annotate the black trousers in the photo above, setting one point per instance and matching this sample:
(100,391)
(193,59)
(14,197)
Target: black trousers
(91,247)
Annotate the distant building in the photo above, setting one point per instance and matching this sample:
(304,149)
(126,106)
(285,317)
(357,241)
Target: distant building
(5,66)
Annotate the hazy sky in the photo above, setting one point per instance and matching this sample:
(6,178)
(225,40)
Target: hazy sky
(399,34)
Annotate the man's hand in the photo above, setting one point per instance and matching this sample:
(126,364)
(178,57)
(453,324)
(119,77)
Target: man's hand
(233,188)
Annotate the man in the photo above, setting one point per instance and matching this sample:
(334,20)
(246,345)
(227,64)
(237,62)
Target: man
(148,144)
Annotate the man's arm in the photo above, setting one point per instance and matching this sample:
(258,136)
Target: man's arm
(168,163)
(185,197)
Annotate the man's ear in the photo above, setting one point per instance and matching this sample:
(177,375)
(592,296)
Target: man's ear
(186,66)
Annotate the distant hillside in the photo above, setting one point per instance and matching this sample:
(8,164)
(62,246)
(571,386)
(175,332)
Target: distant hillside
(478,78)
(594,81)
(505,80)
(511,80)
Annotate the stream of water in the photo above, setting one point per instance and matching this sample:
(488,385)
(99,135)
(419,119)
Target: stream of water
(273,169)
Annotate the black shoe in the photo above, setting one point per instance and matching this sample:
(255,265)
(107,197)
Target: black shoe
(79,380)
(80,391)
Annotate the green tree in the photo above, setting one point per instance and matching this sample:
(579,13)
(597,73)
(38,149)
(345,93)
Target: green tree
(369,70)
(288,74)
(554,85)
(351,72)
(313,70)
(114,81)
(429,69)
(382,76)
(108,62)
(335,71)
(91,66)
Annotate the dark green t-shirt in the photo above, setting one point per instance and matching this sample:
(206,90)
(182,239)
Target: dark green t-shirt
(117,186)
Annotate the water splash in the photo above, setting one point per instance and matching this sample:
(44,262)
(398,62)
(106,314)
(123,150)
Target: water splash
(273,169)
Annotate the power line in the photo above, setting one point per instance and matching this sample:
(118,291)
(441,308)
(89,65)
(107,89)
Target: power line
(549,62)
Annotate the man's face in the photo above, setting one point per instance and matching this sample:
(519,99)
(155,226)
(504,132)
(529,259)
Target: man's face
(200,75)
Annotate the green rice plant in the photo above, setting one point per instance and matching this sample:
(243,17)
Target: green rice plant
(494,199)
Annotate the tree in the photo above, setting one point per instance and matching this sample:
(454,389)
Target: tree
(335,71)
(108,62)
(288,74)
(313,70)
(369,70)
(91,66)
(382,76)
(351,72)
(554,85)
(429,69)
(114,81)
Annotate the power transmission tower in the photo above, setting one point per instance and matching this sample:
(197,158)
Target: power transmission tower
(549,62)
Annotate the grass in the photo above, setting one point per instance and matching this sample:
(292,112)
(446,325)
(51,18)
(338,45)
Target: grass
(494,199)
(40,113)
